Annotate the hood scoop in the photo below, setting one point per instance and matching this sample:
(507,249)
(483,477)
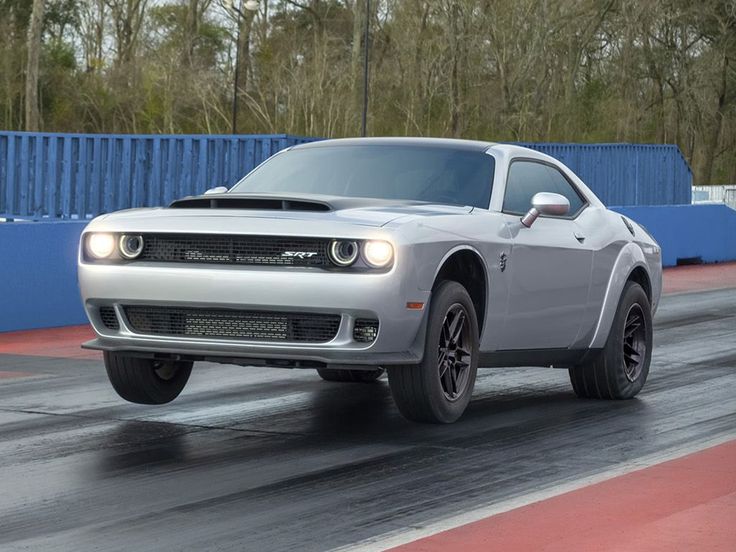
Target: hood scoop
(260,203)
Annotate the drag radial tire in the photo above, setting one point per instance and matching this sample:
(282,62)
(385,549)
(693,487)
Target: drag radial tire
(439,388)
(144,380)
(350,376)
(620,370)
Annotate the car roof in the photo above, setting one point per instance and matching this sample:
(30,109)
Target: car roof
(441,143)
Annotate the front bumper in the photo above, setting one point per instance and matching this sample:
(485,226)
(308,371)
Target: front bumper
(358,295)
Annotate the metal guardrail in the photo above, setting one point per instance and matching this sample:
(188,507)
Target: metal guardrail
(715,194)
(78,176)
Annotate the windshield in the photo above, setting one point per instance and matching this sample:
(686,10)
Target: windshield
(422,173)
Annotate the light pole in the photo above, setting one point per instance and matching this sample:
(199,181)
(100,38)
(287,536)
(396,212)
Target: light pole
(366,34)
(250,5)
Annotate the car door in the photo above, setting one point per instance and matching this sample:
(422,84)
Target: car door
(549,262)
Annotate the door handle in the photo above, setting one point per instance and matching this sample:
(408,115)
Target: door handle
(579,237)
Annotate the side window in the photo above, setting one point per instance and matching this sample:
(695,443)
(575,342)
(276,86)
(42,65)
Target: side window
(560,185)
(527,178)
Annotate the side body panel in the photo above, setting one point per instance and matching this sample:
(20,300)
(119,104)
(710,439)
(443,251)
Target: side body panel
(615,253)
(549,270)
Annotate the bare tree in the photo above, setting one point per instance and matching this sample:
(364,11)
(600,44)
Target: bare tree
(33,45)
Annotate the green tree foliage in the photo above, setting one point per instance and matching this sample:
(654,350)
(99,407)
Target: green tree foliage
(660,71)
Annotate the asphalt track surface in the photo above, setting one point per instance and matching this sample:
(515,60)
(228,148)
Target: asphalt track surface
(258,459)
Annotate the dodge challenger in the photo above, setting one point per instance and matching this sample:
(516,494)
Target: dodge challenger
(422,258)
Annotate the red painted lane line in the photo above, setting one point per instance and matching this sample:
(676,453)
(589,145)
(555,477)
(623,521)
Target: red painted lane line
(684,504)
(681,279)
(54,342)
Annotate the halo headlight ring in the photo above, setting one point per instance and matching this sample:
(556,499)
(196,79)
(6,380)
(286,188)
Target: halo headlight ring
(131,246)
(343,253)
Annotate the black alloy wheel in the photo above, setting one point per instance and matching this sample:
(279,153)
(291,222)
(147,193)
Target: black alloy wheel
(454,356)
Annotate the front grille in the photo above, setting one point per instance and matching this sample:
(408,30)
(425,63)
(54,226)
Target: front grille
(109,318)
(235,324)
(365,330)
(239,250)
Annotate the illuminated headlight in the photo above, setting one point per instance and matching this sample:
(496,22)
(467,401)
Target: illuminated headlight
(343,252)
(378,253)
(131,246)
(100,245)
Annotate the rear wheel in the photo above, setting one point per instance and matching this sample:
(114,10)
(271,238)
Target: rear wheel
(438,389)
(146,381)
(621,369)
(350,376)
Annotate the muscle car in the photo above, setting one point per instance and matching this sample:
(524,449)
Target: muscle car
(422,258)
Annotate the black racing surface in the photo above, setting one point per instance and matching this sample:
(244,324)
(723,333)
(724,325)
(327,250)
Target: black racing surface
(258,459)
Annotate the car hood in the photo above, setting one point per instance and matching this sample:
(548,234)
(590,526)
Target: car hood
(310,209)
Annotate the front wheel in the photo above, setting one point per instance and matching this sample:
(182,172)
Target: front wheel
(439,388)
(621,369)
(144,380)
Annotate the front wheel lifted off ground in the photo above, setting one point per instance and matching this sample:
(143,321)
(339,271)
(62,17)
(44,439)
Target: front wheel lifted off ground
(144,380)
(439,388)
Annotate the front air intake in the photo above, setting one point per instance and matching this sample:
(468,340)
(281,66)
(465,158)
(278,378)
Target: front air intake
(235,249)
(232,324)
(256,203)
(109,318)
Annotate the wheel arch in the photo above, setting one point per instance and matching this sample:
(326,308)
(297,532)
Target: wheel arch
(639,275)
(465,265)
(630,265)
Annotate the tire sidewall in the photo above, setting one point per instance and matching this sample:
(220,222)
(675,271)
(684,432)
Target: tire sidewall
(135,379)
(614,357)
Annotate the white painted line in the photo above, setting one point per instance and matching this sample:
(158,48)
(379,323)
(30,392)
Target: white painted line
(404,536)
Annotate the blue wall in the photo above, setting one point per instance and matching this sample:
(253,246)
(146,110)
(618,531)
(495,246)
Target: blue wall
(689,231)
(38,262)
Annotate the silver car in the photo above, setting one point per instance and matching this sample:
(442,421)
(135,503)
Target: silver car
(426,258)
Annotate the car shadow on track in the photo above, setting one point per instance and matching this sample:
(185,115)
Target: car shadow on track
(356,416)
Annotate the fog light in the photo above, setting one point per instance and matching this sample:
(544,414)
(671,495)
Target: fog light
(377,253)
(101,246)
(131,246)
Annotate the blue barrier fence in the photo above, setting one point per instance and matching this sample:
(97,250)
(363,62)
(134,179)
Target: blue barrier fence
(82,175)
(76,176)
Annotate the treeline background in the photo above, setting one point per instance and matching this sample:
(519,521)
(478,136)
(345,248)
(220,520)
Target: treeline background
(660,71)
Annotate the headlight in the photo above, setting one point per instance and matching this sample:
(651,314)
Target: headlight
(377,253)
(343,252)
(131,246)
(101,246)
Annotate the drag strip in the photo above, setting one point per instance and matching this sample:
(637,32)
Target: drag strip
(265,459)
